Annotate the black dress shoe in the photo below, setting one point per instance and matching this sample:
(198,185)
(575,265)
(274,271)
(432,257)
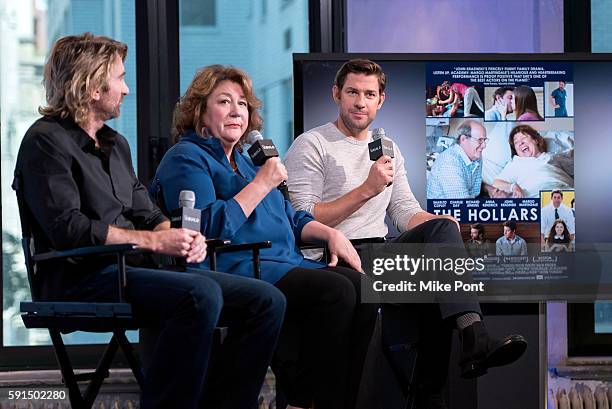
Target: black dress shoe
(479,352)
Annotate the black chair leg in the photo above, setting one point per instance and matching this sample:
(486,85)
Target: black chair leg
(132,358)
(74,393)
(78,400)
(101,372)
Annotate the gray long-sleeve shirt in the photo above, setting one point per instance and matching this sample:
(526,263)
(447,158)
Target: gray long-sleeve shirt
(324,164)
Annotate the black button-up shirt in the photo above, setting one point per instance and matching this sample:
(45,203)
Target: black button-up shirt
(75,190)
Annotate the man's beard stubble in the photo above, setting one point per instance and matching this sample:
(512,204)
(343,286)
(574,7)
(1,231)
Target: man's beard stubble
(351,125)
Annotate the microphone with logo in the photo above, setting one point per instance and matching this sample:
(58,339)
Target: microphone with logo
(260,151)
(186,217)
(380,146)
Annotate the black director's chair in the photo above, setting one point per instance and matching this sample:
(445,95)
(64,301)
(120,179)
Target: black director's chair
(65,317)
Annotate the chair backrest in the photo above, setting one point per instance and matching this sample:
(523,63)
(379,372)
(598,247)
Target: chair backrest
(27,239)
(156,193)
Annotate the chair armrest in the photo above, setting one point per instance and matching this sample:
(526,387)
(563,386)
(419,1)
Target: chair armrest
(356,242)
(312,246)
(213,244)
(88,251)
(244,247)
(254,247)
(212,247)
(120,250)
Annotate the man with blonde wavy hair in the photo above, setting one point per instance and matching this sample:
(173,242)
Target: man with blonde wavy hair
(75,79)
(79,185)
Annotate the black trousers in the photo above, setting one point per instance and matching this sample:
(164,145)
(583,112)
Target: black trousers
(432,324)
(325,337)
(442,231)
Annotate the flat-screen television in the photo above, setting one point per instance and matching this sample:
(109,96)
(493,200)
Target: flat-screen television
(547,142)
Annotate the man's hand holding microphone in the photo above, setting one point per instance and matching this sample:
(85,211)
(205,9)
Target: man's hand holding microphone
(381,172)
(184,238)
(180,237)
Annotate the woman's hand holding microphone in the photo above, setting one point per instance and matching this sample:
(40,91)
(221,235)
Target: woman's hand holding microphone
(271,174)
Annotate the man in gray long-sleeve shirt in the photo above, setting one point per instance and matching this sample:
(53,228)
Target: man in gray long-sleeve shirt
(330,176)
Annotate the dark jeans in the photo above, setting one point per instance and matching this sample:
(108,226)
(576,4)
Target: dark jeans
(325,337)
(187,307)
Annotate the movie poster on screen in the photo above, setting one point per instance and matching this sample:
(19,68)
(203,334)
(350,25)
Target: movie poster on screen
(500,148)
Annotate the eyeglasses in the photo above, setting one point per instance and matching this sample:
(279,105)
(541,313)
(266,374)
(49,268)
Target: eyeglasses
(480,141)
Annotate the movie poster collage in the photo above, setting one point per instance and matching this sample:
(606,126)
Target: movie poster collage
(500,155)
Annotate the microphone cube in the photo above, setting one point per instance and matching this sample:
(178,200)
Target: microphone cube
(261,151)
(186,218)
(379,148)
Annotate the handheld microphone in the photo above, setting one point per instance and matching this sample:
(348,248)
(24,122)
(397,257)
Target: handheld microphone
(186,216)
(380,146)
(187,199)
(260,151)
